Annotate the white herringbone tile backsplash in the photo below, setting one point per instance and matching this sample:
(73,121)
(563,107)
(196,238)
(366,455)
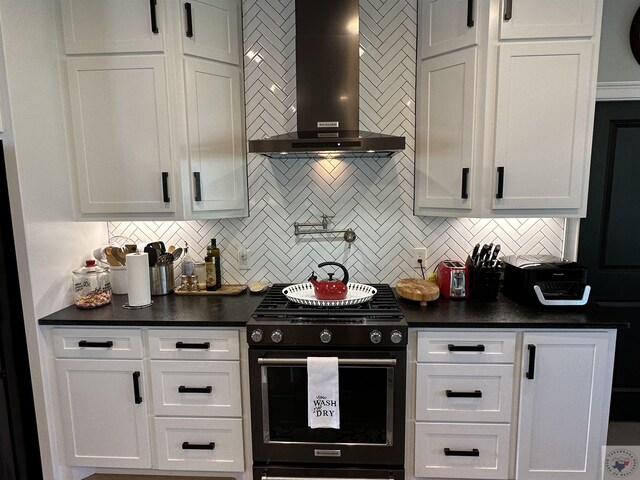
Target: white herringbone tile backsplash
(372,196)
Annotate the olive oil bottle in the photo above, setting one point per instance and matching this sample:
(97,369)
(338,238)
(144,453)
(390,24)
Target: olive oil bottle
(212,267)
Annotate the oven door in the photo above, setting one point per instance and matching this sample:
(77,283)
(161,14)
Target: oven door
(372,406)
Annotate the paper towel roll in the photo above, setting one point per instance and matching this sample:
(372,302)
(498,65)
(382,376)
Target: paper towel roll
(138,279)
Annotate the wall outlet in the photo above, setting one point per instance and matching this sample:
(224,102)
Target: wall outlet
(419,253)
(244,258)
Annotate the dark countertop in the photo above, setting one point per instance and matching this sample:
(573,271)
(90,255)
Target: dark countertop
(235,311)
(166,311)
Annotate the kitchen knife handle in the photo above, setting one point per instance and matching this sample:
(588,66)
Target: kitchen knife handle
(532,361)
(462,453)
(84,343)
(165,187)
(508,10)
(465,179)
(470,22)
(196,179)
(198,446)
(474,394)
(187,8)
(500,192)
(193,346)
(154,18)
(183,389)
(465,348)
(136,388)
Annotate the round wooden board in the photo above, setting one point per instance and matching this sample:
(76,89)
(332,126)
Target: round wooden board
(419,290)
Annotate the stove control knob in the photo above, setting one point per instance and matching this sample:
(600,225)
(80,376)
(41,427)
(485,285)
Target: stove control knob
(396,336)
(375,336)
(325,336)
(256,335)
(276,336)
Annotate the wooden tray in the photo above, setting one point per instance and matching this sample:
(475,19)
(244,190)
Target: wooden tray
(223,290)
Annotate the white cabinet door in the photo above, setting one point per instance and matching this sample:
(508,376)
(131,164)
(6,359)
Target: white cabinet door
(543,114)
(210,29)
(121,132)
(216,147)
(445,125)
(112,26)
(564,399)
(547,18)
(104,420)
(446,25)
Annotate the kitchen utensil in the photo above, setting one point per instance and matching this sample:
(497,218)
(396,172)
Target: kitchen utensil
(304,294)
(119,255)
(418,290)
(153,254)
(171,248)
(130,248)
(110,257)
(493,261)
(330,289)
(164,259)
(177,253)
(159,246)
(222,291)
(475,252)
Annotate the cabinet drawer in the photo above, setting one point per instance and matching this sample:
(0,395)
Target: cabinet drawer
(464,392)
(446,450)
(196,388)
(194,344)
(200,444)
(466,347)
(97,343)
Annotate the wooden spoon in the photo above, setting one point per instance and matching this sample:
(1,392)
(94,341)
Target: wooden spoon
(119,255)
(111,259)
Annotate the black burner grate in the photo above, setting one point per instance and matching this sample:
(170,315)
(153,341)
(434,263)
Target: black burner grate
(382,305)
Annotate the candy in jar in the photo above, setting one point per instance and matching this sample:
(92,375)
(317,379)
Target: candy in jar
(91,286)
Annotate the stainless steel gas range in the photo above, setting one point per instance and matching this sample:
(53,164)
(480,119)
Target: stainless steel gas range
(370,342)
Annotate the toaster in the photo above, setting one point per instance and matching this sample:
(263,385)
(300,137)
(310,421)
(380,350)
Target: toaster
(545,279)
(452,279)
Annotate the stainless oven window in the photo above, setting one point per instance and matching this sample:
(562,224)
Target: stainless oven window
(366,405)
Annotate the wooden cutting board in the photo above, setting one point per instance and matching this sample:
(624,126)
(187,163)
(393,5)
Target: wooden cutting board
(223,290)
(419,290)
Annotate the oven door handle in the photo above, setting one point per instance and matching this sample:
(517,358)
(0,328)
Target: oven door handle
(267,477)
(369,362)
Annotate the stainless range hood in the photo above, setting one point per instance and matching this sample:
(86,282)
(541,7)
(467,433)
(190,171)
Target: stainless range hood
(328,86)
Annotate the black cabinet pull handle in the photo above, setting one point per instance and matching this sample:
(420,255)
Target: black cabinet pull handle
(466,348)
(193,346)
(508,10)
(84,343)
(165,187)
(198,446)
(474,394)
(500,192)
(532,361)
(465,179)
(136,388)
(462,453)
(470,22)
(187,8)
(183,389)
(154,19)
(196,178)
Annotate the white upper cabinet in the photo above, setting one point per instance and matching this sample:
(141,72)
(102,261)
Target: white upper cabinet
(210,30)
(112,26)
(523,126)
(216,146)
(547,18)
(121,132)
(446,25)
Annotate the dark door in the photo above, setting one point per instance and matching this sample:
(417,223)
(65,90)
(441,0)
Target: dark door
(610,238)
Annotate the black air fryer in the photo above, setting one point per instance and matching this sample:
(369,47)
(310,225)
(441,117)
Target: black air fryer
(545,280)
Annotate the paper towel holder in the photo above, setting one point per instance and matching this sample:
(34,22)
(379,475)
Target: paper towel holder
(126,306)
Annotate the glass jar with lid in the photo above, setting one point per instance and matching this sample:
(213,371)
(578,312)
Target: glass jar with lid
(91,286)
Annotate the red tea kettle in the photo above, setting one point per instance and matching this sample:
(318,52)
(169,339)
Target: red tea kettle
(330,289)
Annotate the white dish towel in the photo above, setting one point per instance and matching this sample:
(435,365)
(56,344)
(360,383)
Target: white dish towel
(323,392)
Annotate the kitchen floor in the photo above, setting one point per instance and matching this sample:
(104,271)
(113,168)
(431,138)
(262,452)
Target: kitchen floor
(624,433)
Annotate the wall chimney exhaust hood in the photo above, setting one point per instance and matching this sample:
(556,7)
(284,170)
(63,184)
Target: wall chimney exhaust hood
(327,87)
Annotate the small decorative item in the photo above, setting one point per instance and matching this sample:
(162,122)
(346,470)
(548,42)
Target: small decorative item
(634,36)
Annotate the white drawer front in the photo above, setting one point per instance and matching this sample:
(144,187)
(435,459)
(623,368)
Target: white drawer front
(225,455)
(464,392)
(466,347)
(194,344)
(220,381)
(97,343)
(490,441)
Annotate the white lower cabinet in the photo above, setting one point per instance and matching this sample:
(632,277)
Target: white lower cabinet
(115,384)
(470,421)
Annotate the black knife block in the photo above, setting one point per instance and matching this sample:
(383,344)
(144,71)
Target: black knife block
(484,284)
